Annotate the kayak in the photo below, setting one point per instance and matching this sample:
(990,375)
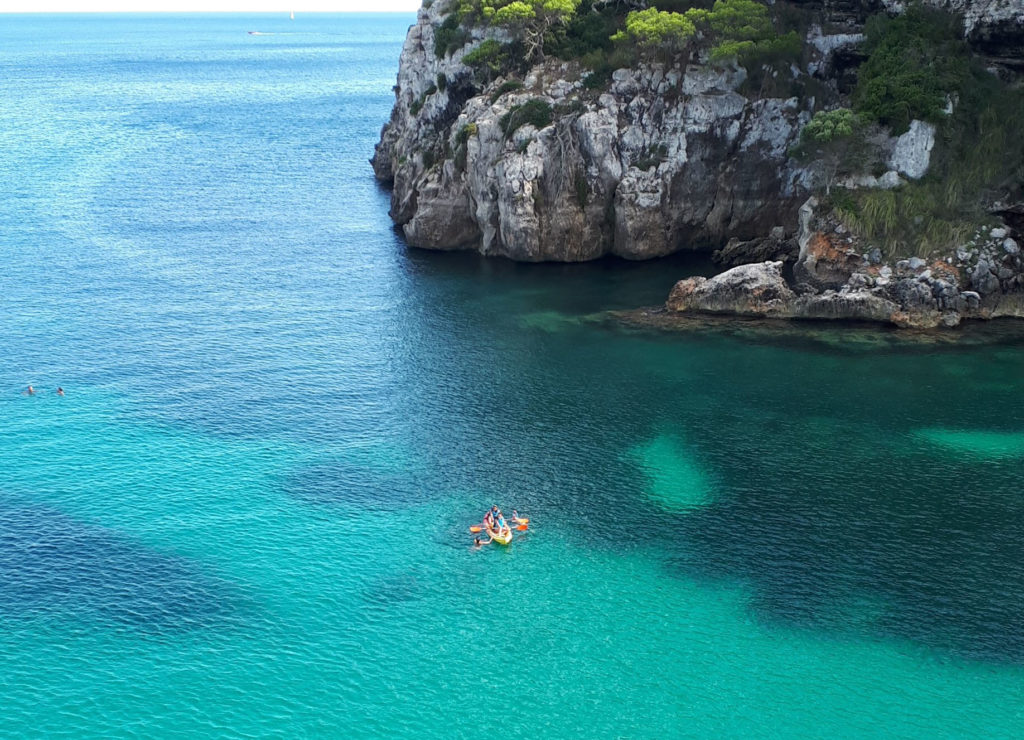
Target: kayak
(501,539)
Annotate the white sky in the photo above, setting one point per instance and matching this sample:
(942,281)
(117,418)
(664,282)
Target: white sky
(281,6)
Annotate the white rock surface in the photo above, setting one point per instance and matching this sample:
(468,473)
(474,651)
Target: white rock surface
(913,151)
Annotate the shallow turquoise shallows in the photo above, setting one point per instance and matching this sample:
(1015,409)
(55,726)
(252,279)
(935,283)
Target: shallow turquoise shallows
(248,516)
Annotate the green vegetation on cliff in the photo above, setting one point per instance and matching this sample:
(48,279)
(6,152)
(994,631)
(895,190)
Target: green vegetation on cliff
(535,112)
(916,63)
(837,140)
(742,30)
(578,29)
(919,68)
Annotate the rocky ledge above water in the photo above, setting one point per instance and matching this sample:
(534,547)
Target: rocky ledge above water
(834,279)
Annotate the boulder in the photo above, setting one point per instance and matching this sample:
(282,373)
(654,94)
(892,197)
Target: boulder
(747,290)
(983,280)
(846,306)
(826,261)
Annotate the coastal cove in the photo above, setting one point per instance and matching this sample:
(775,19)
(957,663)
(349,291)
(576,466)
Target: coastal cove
(249,514)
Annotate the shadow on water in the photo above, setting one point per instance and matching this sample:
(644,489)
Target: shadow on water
(818,489)
(841,515)
(905,555)
(387,592)
(54,565)
(572,287)
(808,477)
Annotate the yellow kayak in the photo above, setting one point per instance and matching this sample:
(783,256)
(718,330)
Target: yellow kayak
(502,538)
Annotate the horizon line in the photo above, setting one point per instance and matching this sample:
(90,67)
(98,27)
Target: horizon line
(204,12)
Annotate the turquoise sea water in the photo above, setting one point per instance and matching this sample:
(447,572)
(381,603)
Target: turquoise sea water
(248,516)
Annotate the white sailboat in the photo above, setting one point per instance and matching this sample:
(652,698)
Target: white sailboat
(293,15)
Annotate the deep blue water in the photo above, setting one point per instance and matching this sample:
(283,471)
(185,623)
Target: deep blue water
(249,513)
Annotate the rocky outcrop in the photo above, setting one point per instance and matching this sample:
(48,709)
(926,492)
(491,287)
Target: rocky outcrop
(912,152)
(825,260)
(664,158)
(748,290)
(775,246)
(835,280)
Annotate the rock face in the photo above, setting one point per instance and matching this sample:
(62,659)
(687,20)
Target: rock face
(773,247)
(912,153)
(663,159)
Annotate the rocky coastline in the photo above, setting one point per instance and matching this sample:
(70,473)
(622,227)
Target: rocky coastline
(834,279)
(687,154)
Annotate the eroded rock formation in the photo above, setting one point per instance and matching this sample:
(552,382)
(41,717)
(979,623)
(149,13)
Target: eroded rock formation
(664,159)
(835,280)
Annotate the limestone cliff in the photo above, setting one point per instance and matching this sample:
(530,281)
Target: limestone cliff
(667,157)
(680,153)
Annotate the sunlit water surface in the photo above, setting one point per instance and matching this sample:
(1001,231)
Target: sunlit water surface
(249,514)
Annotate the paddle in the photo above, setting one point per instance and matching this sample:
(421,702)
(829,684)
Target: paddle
(477,529)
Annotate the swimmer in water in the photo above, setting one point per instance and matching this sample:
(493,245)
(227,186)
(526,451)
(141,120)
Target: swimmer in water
(30,391)
(60,391)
